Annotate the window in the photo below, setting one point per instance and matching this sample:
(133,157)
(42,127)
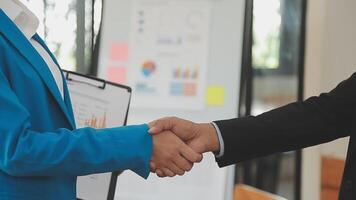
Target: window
(266,34)
(69,28)
(276,33)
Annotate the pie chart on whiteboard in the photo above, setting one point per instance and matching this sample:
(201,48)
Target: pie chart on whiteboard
(148,68)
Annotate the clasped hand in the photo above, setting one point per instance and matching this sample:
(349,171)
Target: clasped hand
(178,144)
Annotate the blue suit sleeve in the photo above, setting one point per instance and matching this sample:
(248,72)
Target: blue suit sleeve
(24,152)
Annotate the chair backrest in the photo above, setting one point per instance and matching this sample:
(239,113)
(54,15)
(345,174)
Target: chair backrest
(331,176)
(244,192)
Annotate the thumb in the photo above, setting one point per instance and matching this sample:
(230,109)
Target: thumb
(153,128)
(160,125)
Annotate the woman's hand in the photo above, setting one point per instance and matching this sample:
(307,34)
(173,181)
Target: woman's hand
(171,155)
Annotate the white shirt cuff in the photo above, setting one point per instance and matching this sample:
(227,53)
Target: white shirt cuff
(221,141)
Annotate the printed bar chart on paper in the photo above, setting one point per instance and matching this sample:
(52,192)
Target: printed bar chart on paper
(96,122)
(95,111)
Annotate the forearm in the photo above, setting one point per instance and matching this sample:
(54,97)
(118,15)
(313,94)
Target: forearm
(297,125)
(79,152)
(291,127)
(28,152)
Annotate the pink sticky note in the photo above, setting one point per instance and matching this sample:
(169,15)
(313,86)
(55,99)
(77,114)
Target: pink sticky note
(117,74)
(119,52)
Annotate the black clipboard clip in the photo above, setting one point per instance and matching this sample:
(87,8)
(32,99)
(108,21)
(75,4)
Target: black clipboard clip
(102,82)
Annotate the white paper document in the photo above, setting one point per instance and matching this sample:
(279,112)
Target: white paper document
(99,105)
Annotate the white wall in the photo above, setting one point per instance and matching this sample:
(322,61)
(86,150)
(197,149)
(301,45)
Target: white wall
(330,58)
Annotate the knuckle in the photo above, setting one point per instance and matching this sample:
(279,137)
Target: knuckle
(167,119)
(170,157)
(158,122)
(172,120)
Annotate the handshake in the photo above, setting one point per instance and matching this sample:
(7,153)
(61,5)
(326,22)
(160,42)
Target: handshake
(178,144)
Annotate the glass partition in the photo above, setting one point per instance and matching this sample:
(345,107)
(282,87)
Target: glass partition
(275,61)
(69,28)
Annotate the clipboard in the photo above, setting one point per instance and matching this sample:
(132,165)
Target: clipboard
(98,104)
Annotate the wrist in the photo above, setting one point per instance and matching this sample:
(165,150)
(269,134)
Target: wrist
(210,137)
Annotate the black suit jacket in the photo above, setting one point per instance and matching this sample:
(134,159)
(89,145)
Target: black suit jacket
(301,124)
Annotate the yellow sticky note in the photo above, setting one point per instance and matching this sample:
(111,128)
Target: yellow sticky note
(215,96)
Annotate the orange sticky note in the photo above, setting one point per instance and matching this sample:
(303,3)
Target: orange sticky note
(117,74)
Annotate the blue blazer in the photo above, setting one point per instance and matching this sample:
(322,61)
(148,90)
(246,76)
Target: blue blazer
(41,151)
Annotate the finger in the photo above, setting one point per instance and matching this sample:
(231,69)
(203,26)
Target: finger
(152,129)
(183,164)
(168,172)
(160,173)
(153,166)
(152,124)
(175,169)
(158,126)
(190,154)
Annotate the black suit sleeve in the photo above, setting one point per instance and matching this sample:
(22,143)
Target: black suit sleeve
(301,124)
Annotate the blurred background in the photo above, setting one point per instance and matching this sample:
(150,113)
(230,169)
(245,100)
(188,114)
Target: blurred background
(287,50)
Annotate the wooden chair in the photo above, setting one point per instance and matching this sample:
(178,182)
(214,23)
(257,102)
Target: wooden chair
(244,192)
(331,175)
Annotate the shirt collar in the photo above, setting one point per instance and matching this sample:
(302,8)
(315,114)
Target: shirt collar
(25,20)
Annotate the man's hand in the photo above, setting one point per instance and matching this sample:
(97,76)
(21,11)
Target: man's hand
(172,155)
(200,137)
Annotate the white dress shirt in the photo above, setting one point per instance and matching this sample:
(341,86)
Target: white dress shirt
(28,24)
(221,142)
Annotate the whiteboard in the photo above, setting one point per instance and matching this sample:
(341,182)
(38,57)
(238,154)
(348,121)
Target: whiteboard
(224,47)
(97,104)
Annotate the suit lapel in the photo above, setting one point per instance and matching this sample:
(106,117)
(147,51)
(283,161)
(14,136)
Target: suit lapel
(66,91)
(20,42)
